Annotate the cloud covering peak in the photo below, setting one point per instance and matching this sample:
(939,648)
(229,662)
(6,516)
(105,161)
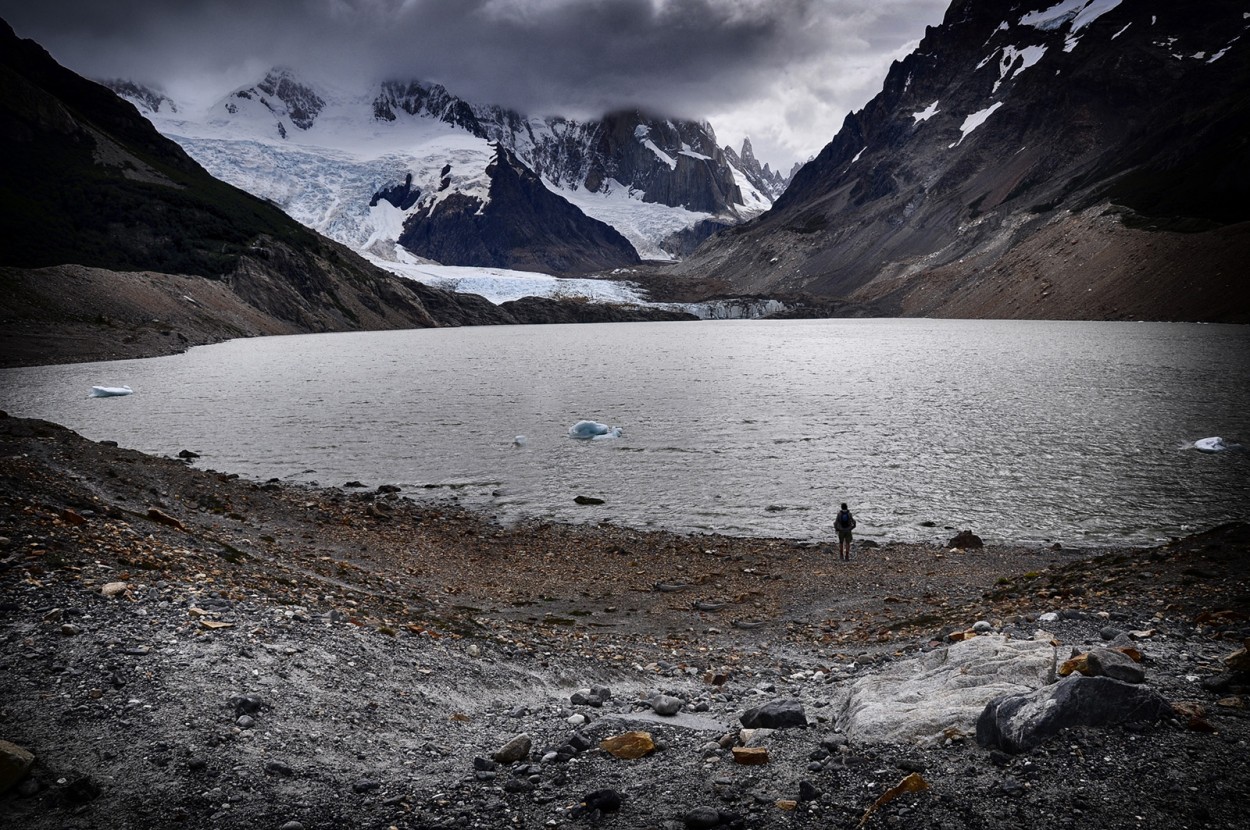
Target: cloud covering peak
(783,71)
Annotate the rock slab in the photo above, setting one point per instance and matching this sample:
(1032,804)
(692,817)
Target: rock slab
(920,700)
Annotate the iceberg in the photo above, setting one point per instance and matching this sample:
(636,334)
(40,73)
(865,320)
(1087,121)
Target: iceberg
(593,431)
(1215,444)
(109,391)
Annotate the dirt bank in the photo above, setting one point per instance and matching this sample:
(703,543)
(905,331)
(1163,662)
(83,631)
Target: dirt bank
(184,648)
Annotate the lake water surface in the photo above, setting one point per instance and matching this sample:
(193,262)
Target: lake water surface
(1021,431)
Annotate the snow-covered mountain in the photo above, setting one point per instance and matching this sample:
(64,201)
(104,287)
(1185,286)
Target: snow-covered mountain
(335,159)
(1031,158)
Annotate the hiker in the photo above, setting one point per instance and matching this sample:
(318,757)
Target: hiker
(844,524)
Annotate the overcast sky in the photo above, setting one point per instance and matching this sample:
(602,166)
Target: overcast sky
(784,72)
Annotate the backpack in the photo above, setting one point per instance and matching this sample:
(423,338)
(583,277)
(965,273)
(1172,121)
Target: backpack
(845,520)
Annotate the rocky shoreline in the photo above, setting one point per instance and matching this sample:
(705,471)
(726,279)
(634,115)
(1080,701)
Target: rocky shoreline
(185,648)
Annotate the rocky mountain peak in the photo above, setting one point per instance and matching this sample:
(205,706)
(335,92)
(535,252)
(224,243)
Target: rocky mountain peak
(147,99)
(301,104)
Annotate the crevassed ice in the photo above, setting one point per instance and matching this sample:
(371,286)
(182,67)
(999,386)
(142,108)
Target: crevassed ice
(1080,13)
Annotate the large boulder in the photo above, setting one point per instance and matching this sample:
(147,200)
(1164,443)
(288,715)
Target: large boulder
(776,714)
(14,762)
(922,700)
(1019,722)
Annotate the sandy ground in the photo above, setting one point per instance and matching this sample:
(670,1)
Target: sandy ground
(274,655)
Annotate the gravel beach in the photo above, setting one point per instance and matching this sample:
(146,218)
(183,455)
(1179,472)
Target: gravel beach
(186,648)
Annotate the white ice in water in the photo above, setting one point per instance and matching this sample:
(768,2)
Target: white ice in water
(593,430)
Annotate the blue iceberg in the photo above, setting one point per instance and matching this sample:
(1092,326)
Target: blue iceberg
(593,431)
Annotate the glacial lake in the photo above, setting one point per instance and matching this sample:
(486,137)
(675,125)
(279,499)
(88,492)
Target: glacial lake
(1027,432)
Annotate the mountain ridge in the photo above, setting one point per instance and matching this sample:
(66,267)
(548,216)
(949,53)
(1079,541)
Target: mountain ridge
(1004,121)
(659,181)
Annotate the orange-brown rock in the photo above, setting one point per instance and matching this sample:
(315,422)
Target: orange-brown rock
(1079,663)
(161,517)
(1239,660)
(628,745)
(750,755)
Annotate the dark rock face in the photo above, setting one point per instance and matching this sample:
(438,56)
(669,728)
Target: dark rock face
(402,196)
(977,181)
(299,102)
(434,100)
(1017,723)
(523,225)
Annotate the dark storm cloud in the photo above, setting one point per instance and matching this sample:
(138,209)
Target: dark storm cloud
(579,57)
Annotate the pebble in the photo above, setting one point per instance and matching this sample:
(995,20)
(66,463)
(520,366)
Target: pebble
(982,627)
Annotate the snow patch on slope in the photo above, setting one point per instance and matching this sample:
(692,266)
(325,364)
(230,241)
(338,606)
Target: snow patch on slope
(644,224)
(924,114)
(1007,68)
(975,120)
(643,133)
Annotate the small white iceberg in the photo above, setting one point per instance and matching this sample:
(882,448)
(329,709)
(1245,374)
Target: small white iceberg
(1215,444)
(110,391)
(593,431)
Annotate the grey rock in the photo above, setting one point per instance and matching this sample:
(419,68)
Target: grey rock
(1109,632)
(279,768)
(982,627)
(365,785)
(777,714)
(702,818)
(246,704)
(514,750)
(586,698)
(292,825)
(1105,662)
(667,704)
(1019,722)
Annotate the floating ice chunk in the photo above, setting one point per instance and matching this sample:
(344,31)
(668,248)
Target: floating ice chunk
(109,391)
(593,430)
(1215,444)
(519,441)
